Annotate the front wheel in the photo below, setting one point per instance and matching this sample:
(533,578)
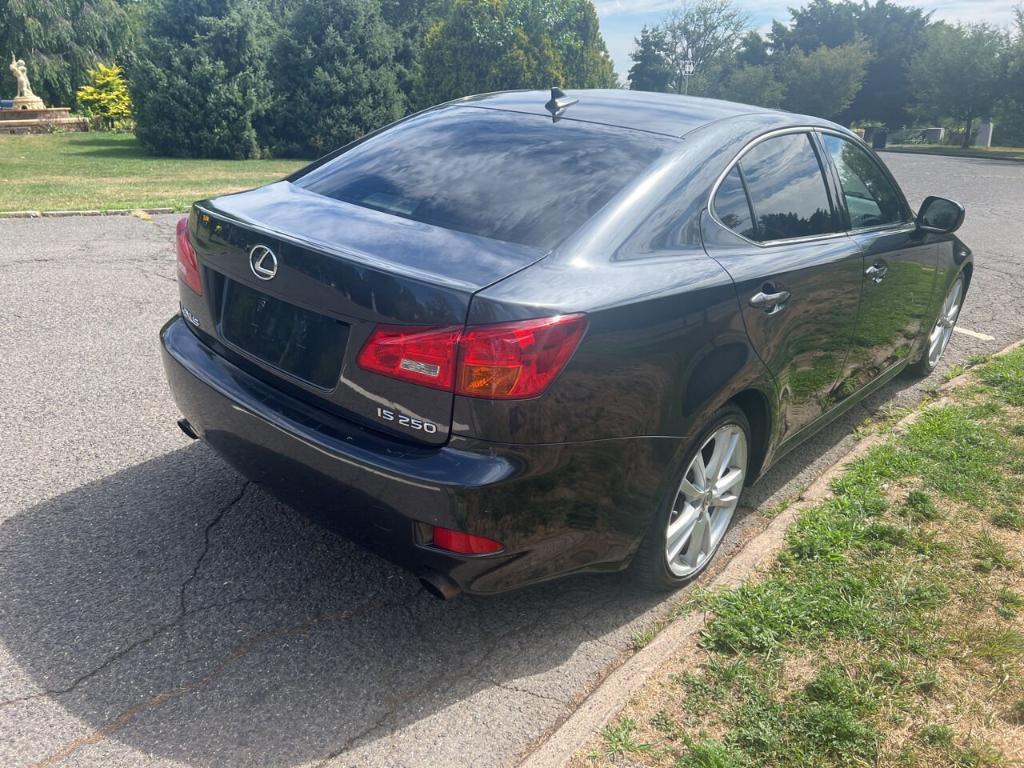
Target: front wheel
(942,331)
(687,530)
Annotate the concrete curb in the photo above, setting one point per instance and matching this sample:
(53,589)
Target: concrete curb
(614,692)
(61,214)
(966,155)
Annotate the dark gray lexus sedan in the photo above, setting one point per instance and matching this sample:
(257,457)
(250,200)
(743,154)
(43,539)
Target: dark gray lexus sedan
(526,334)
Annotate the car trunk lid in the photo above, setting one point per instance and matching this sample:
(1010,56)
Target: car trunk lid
(336,270)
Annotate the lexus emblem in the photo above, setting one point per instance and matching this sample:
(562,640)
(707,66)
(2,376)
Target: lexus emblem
(263,262)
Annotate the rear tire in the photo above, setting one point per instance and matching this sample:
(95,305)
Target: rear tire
(688,526)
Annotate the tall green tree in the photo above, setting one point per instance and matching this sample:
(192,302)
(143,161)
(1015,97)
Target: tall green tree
(753,50)
(959,73)
(411,20)
(335,76)
(1010,114)
(820,23)
(576,35)
(199,79)
(487,45)
(894,33)
(753,84)
(650,70)
(60,40)
(825,81)
(707,33)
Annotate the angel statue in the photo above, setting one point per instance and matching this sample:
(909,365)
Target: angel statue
(19,71)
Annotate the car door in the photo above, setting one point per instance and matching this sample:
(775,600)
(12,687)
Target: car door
(773,226)
(900,269)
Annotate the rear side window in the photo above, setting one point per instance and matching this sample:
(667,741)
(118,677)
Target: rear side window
(732,207)
(509,176)
(871,199)
(787,189)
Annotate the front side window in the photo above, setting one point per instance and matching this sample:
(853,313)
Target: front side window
(871,199)
(787,189)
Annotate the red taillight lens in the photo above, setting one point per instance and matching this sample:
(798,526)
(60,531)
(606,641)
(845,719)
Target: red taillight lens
(465,543)
(513,360)
(420,355)
(188,266)
(505,360)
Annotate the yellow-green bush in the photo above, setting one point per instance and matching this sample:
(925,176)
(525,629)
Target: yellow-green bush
(106,98)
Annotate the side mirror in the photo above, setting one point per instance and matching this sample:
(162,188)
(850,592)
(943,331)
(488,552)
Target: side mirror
(940,215)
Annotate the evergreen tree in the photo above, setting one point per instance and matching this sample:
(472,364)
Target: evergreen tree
(650,70)
(753,50)
(490,45)
(61,40)
(411,20)
(199,78)
(575,33)
(335,76)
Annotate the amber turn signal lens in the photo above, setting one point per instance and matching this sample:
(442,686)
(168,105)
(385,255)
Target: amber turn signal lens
(486,380)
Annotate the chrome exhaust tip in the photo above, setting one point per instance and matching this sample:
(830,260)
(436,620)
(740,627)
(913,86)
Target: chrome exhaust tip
(188,429)
(439,585)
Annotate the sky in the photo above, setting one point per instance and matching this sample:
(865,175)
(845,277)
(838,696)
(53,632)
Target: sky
(621,20)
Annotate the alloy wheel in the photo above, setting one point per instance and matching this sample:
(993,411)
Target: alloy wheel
(706,500)
(943,330)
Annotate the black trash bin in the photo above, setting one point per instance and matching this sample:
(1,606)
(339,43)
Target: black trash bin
(878,138)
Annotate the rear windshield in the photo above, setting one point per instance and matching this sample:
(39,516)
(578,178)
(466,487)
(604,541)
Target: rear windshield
(514,177)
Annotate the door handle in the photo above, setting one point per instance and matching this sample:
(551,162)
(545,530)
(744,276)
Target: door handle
(770,302)
(877,272)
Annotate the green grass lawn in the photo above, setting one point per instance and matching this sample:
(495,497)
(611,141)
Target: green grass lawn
(994,153)
(891,630)
(79,171)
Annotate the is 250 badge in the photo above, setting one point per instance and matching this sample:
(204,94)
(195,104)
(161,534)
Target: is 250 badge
(384,414)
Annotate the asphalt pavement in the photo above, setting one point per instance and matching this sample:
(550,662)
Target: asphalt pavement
(157,610)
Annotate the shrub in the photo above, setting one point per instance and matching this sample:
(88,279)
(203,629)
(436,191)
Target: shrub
(106,98)
(334,75)
(199,79)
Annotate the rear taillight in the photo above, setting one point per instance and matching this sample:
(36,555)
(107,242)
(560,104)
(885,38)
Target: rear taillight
(421,355)
(464,543)
(518,359)
(188,265)
(500,361)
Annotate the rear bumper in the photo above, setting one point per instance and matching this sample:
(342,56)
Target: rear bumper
(556,508)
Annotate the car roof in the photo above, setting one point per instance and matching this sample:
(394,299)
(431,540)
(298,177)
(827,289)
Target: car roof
(665,113)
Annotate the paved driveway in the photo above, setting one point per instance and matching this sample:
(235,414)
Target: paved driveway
(157,610)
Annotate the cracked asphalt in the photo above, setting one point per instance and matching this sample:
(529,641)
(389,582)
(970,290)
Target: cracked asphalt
(157,610)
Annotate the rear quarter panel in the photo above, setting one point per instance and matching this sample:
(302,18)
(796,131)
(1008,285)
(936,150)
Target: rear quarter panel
(664,339)
(666,345)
